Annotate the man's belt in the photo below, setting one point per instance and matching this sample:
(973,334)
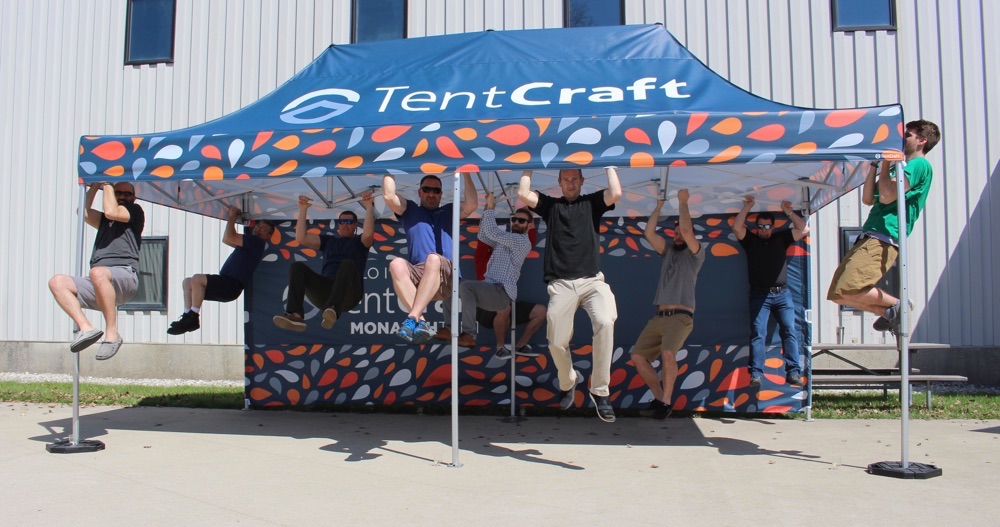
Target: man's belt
(772,290)
(672,312)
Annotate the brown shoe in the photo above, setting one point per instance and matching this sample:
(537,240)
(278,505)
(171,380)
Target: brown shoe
(290,321)
(443,334)
(466,341)
(329,318)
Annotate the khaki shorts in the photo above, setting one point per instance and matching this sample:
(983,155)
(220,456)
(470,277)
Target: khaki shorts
(663,333)
(417,273)
(865,264)
(123,279)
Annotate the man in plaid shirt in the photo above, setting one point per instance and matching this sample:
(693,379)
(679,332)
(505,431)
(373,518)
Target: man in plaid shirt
(499,288)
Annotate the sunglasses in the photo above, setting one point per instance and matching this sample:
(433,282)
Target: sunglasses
(431,190)
(765,227)
(347,222)
(124,193)
(519,220)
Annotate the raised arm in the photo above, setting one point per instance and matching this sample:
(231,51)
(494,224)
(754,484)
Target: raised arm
(740,223)
(614,191)
(658,242)
(868,189)
(471,200)
(368,230)
(230,237)
(302,235)
(392,200)
(799,227)
(887,187)
(528,196)
(92,216)
(488,230)
(686,228)
(112,209)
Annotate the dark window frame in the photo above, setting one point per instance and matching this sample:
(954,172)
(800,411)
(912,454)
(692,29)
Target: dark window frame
(891,26)
(889,283)
(147,242)
(128,38)
(354,20)
(566,12)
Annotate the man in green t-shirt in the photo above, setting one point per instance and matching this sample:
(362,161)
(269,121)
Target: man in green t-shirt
(875,251)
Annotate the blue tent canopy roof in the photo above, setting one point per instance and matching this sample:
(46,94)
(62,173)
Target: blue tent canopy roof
(495,101)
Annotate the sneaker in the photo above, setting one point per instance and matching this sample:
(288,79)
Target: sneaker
(526,351)
(504,353)
(663,411)
(329,318)
(290,321)
(651,409)
(890,320)
(422,333)
(794,379)
(566,398)
(408,329)
(187,322)
(443,334)
(603,405)
(756,380)
(466,340)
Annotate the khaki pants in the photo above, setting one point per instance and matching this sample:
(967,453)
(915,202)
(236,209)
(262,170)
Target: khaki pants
(596,298)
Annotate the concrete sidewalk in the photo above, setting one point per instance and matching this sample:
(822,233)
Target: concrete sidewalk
(169,466)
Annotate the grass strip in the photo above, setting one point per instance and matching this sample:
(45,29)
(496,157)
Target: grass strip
(124,395)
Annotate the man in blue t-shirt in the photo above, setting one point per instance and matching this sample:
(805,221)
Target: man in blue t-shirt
(340,286)
(573,273)
(228,285)
(425,275)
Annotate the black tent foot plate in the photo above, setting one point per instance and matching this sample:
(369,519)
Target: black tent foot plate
(65,446)
(894,469)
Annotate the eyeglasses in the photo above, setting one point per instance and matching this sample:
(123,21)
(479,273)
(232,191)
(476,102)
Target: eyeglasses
(347,222)
(519,220)
(124,193)
(765,227)
(431,190)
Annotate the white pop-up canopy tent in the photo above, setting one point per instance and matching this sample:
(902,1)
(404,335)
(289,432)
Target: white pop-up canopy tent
(496,103)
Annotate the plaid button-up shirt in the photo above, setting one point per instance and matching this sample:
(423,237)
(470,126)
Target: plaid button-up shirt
(509,251)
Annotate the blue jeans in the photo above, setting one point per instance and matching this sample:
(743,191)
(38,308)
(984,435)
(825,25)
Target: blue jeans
(762,305)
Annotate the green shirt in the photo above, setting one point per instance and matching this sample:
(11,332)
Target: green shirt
(883,217)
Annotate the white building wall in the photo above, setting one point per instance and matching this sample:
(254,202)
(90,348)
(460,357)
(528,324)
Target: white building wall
(62,75)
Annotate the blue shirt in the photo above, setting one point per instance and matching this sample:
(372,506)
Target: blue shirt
(427,231)
(243,262)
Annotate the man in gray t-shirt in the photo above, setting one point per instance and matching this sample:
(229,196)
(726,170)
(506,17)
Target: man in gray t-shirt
(114,265)
(666,332)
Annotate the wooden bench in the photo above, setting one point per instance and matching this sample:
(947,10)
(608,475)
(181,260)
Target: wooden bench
(881,381)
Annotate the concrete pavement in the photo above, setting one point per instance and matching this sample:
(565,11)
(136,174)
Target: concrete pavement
(170,466)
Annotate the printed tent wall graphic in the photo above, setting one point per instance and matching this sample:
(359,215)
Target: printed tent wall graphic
(629,96)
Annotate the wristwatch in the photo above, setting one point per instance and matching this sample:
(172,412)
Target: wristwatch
(874,164)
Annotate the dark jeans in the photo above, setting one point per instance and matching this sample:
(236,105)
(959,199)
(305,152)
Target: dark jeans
(341,292)
(762,305)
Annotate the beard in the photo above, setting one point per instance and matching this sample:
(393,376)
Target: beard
(680,244)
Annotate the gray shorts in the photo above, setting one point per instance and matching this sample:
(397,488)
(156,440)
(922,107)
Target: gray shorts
(123,278)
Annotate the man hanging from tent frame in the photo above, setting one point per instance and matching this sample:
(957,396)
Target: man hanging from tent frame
(665,333)
(114,268)
(236,272)
(340,286)
(767,269)
(875,251)
(425,275)
(572,270)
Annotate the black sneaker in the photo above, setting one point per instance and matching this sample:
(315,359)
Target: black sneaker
(891,319)
(651,409)
(603,405)
(186,323)
(526,351)
(756,380)
(505,354)
(794,379)
(663,411)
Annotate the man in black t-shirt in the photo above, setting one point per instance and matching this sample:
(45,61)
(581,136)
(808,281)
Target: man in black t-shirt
(340,287)
(114,268)
(234,276)
(767,265)
(573,273)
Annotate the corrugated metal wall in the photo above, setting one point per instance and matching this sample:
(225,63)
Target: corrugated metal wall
(62,75)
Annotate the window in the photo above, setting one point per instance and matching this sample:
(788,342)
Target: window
(863,15)
(588,13)
(149,31)
(889,283)
(376,20)
(152,294)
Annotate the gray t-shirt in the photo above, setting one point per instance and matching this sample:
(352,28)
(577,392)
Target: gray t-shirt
(678,276)
(118,243)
